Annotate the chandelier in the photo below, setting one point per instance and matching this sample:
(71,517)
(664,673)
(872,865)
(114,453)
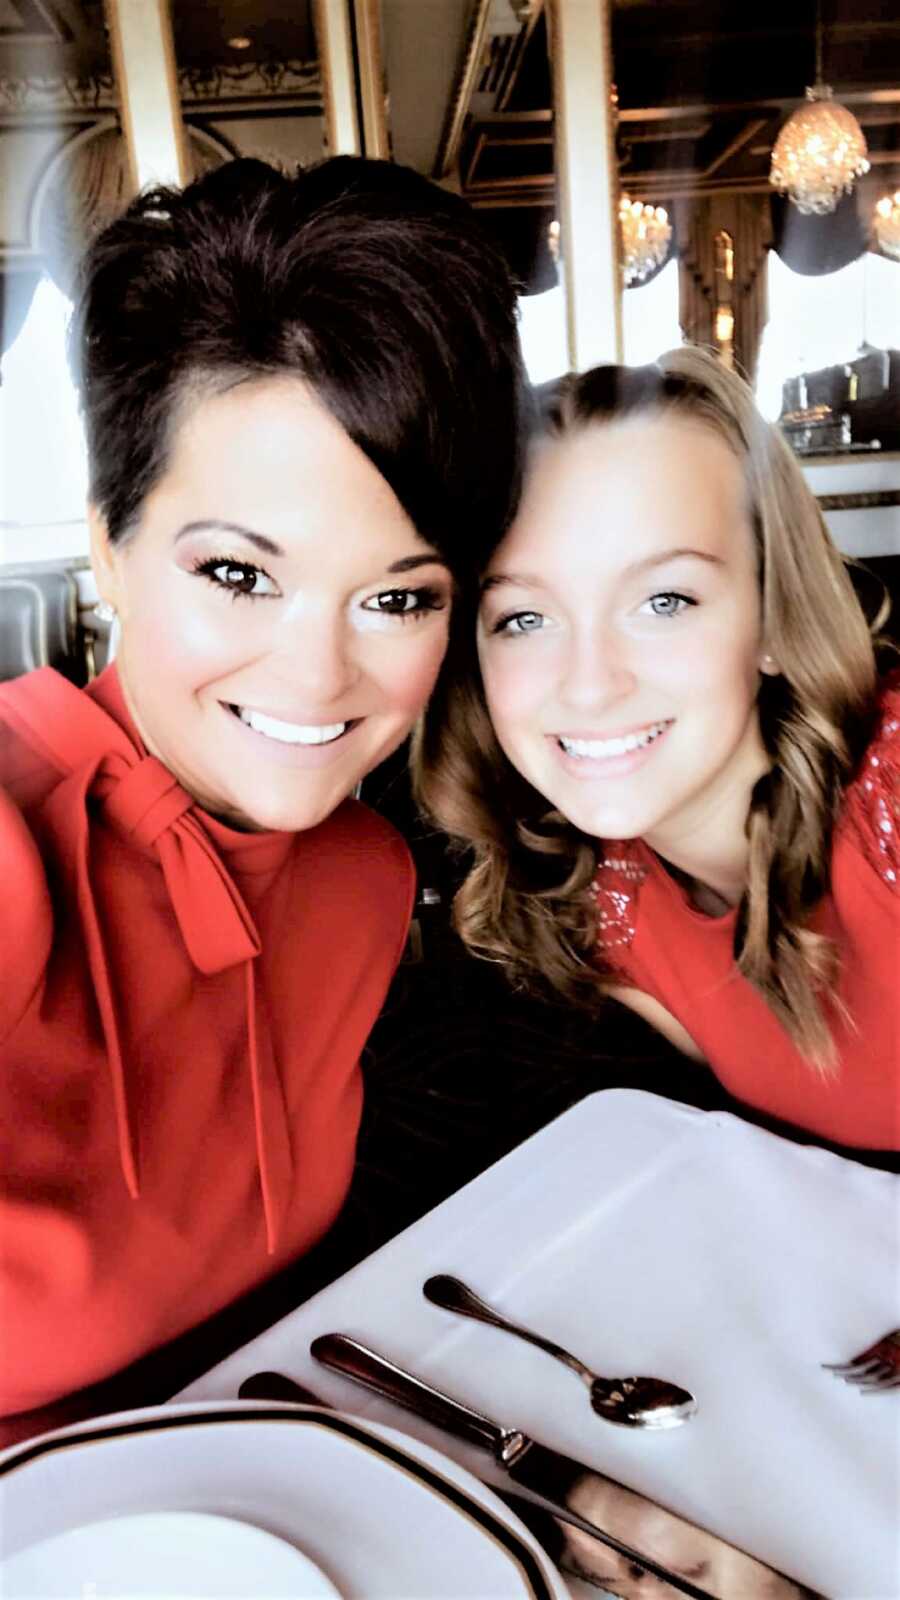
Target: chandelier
(819,154)
(646,232)
(821,150)
(886,223)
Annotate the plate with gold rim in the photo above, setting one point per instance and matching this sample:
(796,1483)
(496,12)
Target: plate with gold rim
(375,1511)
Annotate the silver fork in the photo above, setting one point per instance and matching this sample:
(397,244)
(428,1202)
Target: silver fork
(875,1368)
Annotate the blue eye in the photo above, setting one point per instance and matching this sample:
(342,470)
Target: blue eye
(669,603)
(519,622)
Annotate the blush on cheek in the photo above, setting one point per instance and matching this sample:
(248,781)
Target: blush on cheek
(409,690)
(184,643)
(509,698)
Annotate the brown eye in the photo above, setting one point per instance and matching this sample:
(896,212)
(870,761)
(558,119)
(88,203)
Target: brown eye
(405,602)
(237,577)
(396,600)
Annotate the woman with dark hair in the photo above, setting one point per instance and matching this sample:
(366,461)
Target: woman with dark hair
(673,756)
(284,385)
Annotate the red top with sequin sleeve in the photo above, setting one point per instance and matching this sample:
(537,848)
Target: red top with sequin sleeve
(654,940)
(182,1012)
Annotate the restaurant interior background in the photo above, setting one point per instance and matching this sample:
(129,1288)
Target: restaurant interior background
(622,153)
(543,113)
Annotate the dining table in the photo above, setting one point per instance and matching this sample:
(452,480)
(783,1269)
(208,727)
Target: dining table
(646,1236)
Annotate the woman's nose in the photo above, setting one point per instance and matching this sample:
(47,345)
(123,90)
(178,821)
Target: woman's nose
(315,655)
(597,671)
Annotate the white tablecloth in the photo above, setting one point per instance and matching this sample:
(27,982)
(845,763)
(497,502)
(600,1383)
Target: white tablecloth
(650,1237)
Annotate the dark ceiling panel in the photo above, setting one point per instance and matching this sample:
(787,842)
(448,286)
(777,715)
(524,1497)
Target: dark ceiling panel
(276,32)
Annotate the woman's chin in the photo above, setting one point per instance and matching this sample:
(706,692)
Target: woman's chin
(274,817)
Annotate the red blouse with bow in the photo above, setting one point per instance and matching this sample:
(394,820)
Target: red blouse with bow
(182,1011)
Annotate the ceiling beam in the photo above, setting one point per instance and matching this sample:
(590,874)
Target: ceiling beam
(736,144)
(447,155)
(856,97)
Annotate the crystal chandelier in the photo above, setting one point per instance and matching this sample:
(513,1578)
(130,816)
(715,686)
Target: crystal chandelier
(821,150)
(886,223)
(646,232)
(819,154)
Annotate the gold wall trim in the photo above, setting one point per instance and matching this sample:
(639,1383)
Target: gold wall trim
(334,36)
(370,66)
(143,57)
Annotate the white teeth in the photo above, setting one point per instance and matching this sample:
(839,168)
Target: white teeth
(290,732)
(600,749)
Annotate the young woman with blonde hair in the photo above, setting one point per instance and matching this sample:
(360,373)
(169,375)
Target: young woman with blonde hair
(673,758)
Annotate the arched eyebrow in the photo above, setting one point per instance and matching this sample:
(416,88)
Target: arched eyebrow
(409,563)
(260,540)
(527,580)
(270,548)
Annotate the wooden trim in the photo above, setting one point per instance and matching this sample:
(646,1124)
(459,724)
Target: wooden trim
(451,135)
(748,132)
(522,43)
(509,119)
(774,107)
(860,500)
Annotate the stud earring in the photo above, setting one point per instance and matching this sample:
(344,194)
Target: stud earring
(768,664)
(105,611)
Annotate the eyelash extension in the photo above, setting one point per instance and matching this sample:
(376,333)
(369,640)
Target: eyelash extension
(427,599)
(207,567)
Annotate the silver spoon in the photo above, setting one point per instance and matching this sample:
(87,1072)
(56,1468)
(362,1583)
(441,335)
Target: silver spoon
(631,1402)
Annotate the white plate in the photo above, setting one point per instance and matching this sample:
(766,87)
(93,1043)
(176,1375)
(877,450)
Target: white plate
(187,1554)
(379,1513)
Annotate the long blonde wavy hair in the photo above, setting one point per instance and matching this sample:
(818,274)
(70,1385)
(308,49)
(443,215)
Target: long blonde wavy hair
(525,901)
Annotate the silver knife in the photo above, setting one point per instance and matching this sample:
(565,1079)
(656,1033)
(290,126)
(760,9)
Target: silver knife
(276,1386)
(553,1480)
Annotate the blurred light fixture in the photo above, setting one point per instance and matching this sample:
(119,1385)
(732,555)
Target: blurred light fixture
(724,325)
(821,150)
(240,42)
(886,222)
(646,233)
(553,232)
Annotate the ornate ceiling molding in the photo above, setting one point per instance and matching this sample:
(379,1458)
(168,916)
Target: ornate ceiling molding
(287,80)
(56,92)
(199,87)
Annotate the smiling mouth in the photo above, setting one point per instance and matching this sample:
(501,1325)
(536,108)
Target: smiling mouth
(292,732)
(603,749)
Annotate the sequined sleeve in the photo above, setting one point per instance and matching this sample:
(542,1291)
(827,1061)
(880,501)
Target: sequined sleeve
(873,799)
(614,894)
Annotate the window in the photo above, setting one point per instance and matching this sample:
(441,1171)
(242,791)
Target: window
(43,462)
(817,322)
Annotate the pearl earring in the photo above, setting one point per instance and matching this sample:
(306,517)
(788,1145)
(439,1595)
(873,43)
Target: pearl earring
(105,611)
(768,664)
